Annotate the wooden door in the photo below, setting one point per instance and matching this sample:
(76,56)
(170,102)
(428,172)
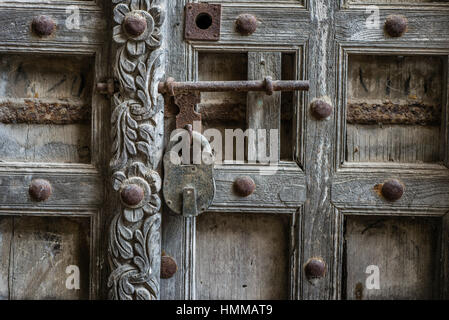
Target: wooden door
(53,146)
(329,224)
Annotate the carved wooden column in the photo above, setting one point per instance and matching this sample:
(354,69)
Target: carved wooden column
(134,250)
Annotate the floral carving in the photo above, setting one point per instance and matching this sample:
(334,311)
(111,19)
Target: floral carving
(134,243)
(146,179)
(151,20)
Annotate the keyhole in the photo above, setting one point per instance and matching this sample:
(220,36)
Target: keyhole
(203,21)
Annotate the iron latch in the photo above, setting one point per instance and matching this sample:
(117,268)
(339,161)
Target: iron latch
(189,187)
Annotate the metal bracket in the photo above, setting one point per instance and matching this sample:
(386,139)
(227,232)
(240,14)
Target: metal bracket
(109,87)
(203,21)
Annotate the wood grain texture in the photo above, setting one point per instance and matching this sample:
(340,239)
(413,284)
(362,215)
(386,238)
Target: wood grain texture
(397,79)
(45,90)
(263,111)
(38,252)
(424,191)
(282,191)
(6,235)
(287,24)
(405,251)
(223,110)
(68,189)
(134,247)
(43,76)
(242,256)
(401,82)
(85,39)
(319,218)
(424,26)
(393,143)
(45,143)
(176,239)
(321,32)
(179,236)
(55,73)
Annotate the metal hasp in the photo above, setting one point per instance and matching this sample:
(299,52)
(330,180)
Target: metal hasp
(189,189)
(187,94)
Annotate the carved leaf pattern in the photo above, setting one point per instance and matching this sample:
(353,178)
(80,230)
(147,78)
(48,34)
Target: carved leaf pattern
(134,244)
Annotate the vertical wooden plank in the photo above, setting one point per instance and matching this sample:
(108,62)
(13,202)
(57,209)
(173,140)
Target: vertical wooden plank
(175,233)
(6,234)
(263,111)
(319,216)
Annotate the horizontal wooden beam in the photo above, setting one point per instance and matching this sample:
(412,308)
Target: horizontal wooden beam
(422,192)
(279,189)
(16,21)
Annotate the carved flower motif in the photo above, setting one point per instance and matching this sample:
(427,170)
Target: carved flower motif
(138,26)
(138,191)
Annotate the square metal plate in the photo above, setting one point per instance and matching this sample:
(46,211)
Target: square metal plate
(202,21)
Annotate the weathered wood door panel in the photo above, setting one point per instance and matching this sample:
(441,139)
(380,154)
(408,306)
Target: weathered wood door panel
(325,203)
(392,125)
(53,127)
(317,226)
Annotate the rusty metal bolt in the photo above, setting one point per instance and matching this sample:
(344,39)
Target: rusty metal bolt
(43,26)
(396,25)
(392,190)
(40,189)
(132,195)
(135,25)
(244,186)
(168,267)
(321,109)
(246,24)
(315,268)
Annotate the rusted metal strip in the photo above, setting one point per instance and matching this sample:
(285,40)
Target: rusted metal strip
(389,113)
(171,87)
(35,111)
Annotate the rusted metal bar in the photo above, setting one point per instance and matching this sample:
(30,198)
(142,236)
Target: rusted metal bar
(389,113)
(268,85)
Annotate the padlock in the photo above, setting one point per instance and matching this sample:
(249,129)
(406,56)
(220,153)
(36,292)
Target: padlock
(188,189)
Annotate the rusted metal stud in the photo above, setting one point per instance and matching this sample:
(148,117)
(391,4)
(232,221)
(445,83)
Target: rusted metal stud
(321,109)
(168,267)
(392,190)
(40,189)
(396,25)
(315,268)
(135,25)
(244,186)
(246,24)
(43,26)
(132,195)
